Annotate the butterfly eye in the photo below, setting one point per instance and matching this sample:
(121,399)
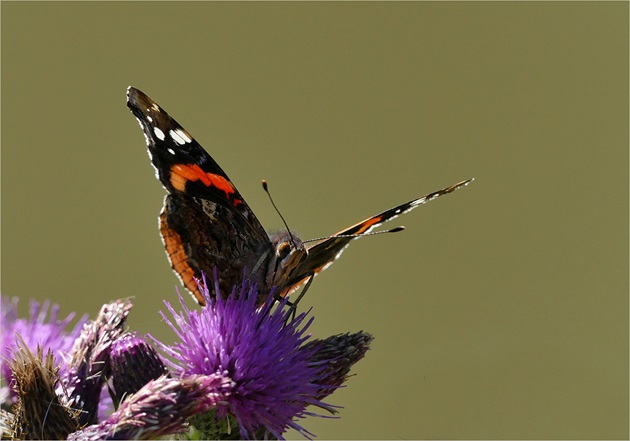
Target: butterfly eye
(283,249)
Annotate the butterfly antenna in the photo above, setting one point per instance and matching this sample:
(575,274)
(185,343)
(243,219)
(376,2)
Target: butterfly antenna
(391,230)
(266,188)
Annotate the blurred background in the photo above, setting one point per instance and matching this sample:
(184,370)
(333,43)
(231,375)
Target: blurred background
(500,312)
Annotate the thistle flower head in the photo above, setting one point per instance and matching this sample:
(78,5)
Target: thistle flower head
(274,379)
(336,355)
(161,407)
(89,365)
(133,364)
(43,328)
(40,412)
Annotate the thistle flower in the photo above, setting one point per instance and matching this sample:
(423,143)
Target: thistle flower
(133,364)
(161,407)
(89,366)
(274,378)
(40,329)
(337,354)
(39,413)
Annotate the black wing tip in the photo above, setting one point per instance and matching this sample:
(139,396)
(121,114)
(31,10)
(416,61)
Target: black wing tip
(151,115)
(429,197)
(457,186)
(463,183)
(138,100)
(132,95)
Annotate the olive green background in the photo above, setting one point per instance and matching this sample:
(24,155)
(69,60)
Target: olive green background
(502,310)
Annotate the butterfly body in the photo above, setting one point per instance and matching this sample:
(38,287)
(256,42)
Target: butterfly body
(206,224)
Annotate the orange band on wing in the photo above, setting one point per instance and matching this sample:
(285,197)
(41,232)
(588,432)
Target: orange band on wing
(179,259)
(368,223)
(182,173)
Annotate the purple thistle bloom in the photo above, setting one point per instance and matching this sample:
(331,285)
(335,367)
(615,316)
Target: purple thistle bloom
(49,333)
(274,377)
(133,363)
(161,407)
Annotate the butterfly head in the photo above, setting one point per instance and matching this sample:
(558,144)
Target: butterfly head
(289,252)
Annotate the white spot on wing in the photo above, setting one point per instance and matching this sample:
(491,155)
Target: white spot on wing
(179,136)
(184,135)
(171,151)
(158,133)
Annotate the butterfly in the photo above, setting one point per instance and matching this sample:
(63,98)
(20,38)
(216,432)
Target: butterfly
(206,224)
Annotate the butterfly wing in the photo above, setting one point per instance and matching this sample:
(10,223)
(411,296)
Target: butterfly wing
(205,222)
(322,254)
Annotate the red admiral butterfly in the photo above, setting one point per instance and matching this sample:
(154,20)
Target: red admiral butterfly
(206,224)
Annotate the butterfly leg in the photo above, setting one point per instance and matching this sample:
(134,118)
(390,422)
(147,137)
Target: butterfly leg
(293,305)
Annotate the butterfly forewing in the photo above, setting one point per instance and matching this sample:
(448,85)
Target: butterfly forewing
(324,253)
(205,223)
